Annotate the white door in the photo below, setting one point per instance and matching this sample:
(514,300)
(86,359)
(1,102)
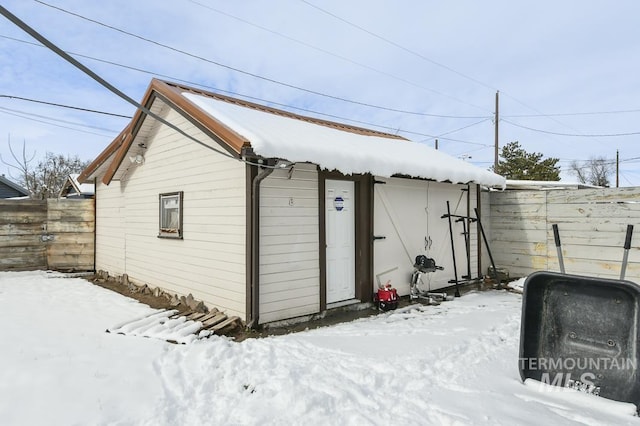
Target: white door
(408,214)
(340,240)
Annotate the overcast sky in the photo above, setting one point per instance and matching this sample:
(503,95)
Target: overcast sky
(568,71)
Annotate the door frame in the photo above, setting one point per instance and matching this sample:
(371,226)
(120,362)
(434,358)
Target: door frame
(363,216)
(341,247)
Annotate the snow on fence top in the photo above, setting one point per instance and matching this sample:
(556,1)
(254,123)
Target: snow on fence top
(275,136)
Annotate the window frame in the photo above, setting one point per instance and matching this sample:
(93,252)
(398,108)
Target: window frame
(165,232)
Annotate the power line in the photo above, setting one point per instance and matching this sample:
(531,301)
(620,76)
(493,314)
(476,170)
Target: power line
(399,46)
(464,75)
(56,119)
(254,98)
(315,92)
(571,134)
(64,106)
(475,150)
(346,59)
(238,70)
(129,67)
(611,161)
(625,178)
(425,58)
(465,127)
(337,97)
(33,33)
(4,111)
(441,136)
(569,114)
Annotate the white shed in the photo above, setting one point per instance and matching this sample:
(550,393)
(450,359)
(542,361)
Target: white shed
(270,215)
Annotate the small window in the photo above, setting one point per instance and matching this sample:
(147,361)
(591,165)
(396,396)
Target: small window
(171,215)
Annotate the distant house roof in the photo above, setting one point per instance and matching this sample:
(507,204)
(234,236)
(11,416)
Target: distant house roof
(73,188)
(9,189)
(243,127)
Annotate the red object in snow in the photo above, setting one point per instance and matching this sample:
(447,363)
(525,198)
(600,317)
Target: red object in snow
(387,297)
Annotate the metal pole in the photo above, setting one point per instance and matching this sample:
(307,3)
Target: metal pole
(617,169)
(486,243)
(627,246)
(467,232)
(466,246)
(495,161)
(453,251)
(556,237)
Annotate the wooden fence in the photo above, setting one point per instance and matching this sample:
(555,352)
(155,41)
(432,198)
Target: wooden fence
(55,234)
(592,224)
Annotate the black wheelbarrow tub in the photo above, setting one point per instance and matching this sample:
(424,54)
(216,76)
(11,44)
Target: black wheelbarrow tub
(583,333)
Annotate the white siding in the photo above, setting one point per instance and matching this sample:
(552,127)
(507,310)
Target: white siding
(473,234)
(210,261)
(110,224)
(408,214)
(485,217)
(289,244)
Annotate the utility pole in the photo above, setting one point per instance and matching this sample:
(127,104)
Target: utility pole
(495,161)
(617,168)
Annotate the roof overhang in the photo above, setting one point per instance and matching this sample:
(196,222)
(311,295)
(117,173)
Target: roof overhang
(241,127)
(158,95)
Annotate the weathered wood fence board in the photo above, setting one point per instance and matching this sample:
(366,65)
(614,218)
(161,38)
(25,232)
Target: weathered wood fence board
(21,225)
(49,234)
(72,224)
(592,225)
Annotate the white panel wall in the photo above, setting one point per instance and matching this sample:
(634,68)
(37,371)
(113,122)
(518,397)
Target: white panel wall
(400,215)
(456,195)
(485,213)
(473,232)
(110,225)
(289,244)
(210,261)
(408,213)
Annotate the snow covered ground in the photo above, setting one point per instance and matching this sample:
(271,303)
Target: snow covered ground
(454,364)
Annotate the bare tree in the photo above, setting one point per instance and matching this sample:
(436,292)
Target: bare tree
(45,180)
(595,171)
(21,164)
(48,177)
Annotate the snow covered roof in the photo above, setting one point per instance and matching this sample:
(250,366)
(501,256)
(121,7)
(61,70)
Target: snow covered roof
(73,186)
(332,148)
(271,133)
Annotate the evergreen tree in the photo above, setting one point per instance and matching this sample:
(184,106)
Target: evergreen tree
(519,164)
